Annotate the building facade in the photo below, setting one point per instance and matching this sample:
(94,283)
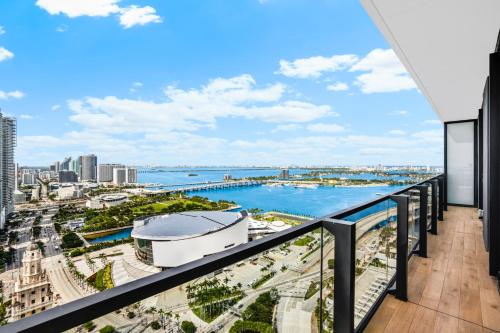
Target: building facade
(88,167)
(67,176)
(32,291)
(7,167)
(105,173)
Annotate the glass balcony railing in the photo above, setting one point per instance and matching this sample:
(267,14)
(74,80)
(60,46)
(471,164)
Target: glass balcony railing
(328,274)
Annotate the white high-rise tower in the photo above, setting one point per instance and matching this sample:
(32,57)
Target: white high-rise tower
(7,166)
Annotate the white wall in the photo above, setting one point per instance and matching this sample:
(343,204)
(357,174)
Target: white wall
(460,163)
(176,253)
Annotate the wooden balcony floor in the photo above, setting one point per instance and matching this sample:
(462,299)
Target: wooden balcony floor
(451,290)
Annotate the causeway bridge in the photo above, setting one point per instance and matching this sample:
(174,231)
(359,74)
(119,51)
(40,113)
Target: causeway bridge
(208,186)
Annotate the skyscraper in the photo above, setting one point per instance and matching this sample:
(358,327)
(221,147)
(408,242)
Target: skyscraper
(88,167)
(106,171)
(65,164)
(75,166)
(7,166)
(131,175)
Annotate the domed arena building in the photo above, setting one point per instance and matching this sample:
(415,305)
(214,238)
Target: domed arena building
(172,240)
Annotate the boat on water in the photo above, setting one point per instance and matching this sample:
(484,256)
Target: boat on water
(274,185)
(310,186)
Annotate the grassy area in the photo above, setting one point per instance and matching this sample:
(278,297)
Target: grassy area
(303,241)
(263,279)
(313,289)
(258,316)
(125,214)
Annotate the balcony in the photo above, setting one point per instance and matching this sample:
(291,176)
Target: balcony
(451,290)
(350,260)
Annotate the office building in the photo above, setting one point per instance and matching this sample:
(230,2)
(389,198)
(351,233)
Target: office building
(7,167)
(105,173)
(65,164)
(74,166)
(67,176)
(88,167)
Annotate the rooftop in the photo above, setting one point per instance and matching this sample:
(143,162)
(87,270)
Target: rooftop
(184,225)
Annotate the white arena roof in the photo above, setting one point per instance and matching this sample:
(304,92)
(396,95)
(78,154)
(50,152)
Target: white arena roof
(184,225)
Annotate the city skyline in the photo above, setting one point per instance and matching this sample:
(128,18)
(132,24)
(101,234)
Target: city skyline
(208,86)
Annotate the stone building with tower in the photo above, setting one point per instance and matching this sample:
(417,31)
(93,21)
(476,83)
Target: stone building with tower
(32,292)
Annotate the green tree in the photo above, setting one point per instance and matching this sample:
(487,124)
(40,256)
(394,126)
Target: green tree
(188,327)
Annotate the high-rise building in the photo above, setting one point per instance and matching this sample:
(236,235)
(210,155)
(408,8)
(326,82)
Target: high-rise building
(32,292)
(124,175)
(74,166)
(65,164)
(88,167)
(284,174)
(28,178)
(105,173)
(119,176)
(131,175)
(7,166)
(67,176)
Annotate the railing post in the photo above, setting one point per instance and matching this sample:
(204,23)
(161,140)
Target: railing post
(422,243)
(441,198)
(434,199)
(445,192)
(344,273)
(401,291)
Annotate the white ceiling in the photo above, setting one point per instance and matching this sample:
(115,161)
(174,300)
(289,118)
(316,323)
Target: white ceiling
(445,45)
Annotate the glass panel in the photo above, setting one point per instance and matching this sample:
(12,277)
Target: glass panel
(276,290)
(375,254)
(429,206)
(413,219)
(460,162)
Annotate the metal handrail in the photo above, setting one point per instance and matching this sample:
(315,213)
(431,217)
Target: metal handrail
(77,312)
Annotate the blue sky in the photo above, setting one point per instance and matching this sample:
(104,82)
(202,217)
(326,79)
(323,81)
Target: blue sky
(208,82)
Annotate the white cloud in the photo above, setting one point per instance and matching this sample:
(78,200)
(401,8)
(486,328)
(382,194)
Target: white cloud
(325,128)
(134,15)
(76,8)
(11,94)
(2,30)
(26,117)
(62,28)
(430,136)
(314,67)
(432,122)
(398,113)
(5,54)
(128,16)
(397,132)
(189,110)
(385,73)
(338,86)
(135,86)
(286,128)
(55,107)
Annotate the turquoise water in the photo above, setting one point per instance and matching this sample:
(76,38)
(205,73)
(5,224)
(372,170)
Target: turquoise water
(178,176)
(304,201)
(122,234)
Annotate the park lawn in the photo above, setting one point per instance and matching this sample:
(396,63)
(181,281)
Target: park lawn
(159,206)
(303,241)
